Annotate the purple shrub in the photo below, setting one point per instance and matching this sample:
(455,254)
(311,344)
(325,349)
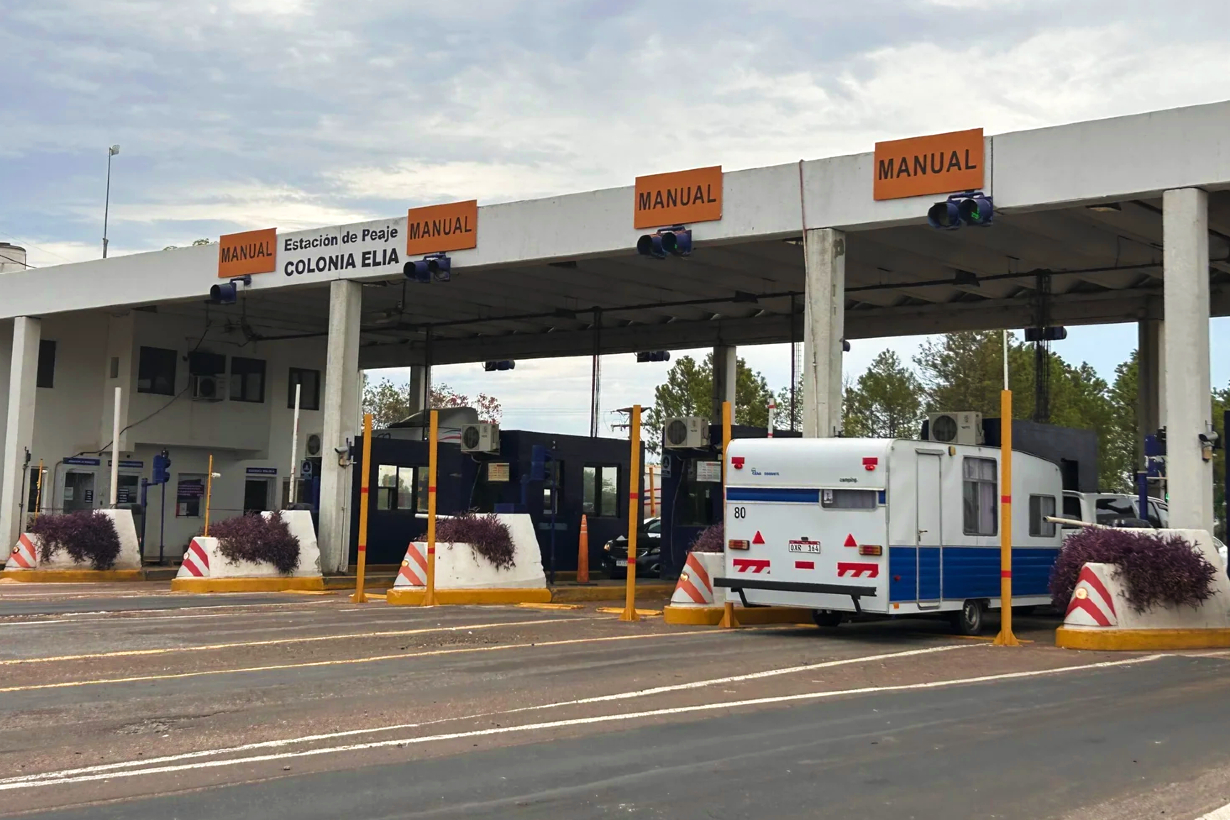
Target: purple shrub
(711,539)
(1156,571)
(86,535)
(259,540)
(487,535)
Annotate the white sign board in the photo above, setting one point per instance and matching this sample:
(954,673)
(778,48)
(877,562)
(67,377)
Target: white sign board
(342,251)
(709,471)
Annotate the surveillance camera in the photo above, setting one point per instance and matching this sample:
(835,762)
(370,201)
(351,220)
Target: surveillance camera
(1210,438)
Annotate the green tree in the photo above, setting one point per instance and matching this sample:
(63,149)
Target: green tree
(885,402)
(389,402)
(688,391)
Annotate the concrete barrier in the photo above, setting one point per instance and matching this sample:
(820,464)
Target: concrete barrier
(24,563)
(463,577)
(1100,617)
(696,603)
(205,569)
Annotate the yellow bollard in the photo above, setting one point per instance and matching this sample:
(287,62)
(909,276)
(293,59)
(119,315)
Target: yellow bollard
(1005,636)
(364,490)
(634,499)
(38,494)
(729,621)
(209,485)
(429,598)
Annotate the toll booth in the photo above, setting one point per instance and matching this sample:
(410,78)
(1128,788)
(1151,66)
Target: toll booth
(692,497)
(575,475)
(1074,451)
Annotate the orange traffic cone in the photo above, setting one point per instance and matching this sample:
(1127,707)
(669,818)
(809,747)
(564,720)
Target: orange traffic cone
(583,553)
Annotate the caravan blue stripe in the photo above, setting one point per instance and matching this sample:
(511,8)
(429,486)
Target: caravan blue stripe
(784,494)
(968,572)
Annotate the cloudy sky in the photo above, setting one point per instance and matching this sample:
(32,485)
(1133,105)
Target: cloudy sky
(298,114)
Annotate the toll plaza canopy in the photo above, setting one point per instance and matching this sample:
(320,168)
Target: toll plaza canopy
(1080,202)
(1124,219)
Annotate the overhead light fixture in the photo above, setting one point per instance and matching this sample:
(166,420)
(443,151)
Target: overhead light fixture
(1106,207)
(966,278)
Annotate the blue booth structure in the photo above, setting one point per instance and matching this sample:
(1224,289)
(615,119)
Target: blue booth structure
(692,492)
(532,473)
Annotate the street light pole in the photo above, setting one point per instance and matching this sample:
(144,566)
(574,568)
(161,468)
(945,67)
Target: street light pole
(111,151)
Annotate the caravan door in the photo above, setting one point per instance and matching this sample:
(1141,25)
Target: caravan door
(929,532)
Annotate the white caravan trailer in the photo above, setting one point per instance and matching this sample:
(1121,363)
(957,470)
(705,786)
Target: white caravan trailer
(884,526)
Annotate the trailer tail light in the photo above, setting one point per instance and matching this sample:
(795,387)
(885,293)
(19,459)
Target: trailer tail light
(739,544)
(870,549)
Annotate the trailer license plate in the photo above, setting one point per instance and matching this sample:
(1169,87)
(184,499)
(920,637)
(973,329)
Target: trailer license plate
(811,547)
(621,562)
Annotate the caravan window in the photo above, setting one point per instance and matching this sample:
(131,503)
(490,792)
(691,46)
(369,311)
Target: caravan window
(844,499)
(980,496)
(1041,506)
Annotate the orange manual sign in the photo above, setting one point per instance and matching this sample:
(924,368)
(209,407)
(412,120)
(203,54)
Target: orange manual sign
(938,164)
(678,198)
(247,252)
(438,228)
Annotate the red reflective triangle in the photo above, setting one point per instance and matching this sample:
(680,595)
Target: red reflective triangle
(850,542)
(759,539)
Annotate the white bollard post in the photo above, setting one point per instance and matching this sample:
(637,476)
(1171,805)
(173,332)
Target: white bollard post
(294,451)
(115,449)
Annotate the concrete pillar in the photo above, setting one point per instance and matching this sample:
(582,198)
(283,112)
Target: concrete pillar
(341,421)
(419,389)
(725,380)
(1187,402)
(118,371)
(19,427)
(823,327)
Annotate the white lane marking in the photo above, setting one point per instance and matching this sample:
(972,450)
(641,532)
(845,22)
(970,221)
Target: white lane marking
(136,614)
(637,693)
(169,650)
(1217,814)
(352,661)
(61,778)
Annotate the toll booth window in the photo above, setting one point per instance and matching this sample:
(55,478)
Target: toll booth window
(46,363)
(980,496)
(309,396)
(189,496)
(844,499)
(156,371)
(396,488)
(601,491)
(248,380)
(1040,507)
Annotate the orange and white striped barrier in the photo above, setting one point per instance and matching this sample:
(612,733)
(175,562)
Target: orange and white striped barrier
(413,572)
(695,585)
(24,555)
(1093,604)
(196,561)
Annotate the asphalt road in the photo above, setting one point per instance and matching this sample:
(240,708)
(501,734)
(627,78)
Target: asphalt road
(310,707)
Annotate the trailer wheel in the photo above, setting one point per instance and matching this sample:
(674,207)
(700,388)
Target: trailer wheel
(827,619)
(968,621)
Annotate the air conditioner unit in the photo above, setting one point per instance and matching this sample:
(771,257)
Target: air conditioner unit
(688,432)
(207,388)
(955,428)
(483,437)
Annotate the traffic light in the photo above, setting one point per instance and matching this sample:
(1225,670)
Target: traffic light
(435,267)
(972,208)
(1045,334)
(675,241)
(653,356)
(506,364)
(162,468)
(227,293)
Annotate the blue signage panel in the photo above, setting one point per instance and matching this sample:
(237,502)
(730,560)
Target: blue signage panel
(262,471)
(83,462)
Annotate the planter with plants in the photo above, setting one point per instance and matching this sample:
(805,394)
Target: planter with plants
(257,540)
(492,552)
(86,540)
